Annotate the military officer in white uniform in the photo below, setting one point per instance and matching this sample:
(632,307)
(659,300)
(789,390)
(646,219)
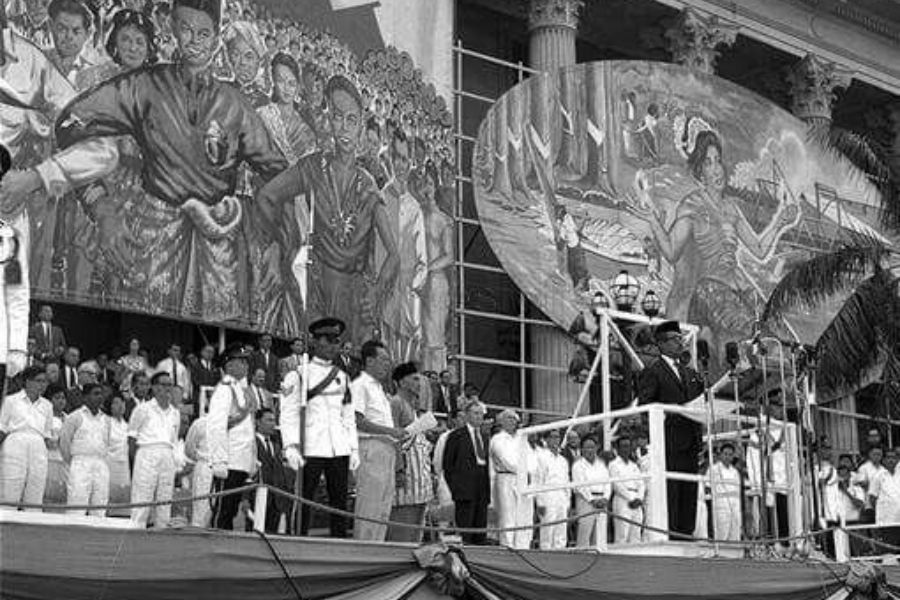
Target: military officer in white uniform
(329,442)
(230,433)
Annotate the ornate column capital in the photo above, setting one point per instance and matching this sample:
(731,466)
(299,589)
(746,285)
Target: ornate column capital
(814,83)
(694,39)
(553,13)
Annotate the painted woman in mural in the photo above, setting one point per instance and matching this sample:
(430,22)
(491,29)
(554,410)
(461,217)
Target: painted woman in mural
(705,241)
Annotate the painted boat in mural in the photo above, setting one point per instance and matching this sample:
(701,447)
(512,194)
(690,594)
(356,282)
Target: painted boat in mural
(44,557)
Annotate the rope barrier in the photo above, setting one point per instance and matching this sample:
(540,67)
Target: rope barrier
(424,528)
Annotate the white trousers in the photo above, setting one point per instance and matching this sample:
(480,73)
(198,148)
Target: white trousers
(625,532)
(153,480)
(553,537)
(88,484)
(201,484)
(727,516)
(507,507)
(524,518)
(23,468)
(590,526)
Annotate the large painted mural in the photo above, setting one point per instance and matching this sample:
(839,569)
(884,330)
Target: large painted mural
(234,162)
(702,190)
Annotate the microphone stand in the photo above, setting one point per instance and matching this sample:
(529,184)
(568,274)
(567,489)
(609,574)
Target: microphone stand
(710,422)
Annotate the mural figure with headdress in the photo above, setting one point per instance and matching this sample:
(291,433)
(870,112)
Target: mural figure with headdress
(706,236)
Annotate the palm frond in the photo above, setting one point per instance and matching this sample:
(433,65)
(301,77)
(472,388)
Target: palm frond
(810,282)
(871,160)
(863,329)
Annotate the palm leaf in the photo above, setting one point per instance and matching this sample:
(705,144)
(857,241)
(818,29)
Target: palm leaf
(871,160)
(812,281)
(863,329)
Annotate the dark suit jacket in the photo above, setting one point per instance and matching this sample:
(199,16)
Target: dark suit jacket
(465,478)
(47,347)
(657,383)
(273,375)
(444,403)
(349,364)
(273,472)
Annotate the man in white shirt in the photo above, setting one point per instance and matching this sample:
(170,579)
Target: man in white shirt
(196,450)
(377,438)
(553,469)
(84,443)
(884,491)
(865,477)
(330,444)
(26,420)
(152,435)
(230,432)
(505,453)
(628,496)
(181,376)
(592,496)
(726,481)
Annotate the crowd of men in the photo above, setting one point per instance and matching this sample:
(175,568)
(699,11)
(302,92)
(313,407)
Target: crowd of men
(122,429)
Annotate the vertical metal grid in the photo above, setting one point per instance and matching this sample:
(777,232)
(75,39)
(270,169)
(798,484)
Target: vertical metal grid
(465,358)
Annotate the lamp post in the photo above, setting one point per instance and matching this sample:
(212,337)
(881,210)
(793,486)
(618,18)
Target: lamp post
(651,304)
(625,289)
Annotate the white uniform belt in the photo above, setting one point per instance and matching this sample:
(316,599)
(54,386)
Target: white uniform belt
(25,430)
(156,445)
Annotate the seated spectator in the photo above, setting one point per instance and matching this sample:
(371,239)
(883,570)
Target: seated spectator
(272,470)
(181,377)
(133,362)
(50,341)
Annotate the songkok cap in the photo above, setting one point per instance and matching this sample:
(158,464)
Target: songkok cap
(327,326)
(404,370)
(236,350)
(508,413)
(211,7)
(667,327)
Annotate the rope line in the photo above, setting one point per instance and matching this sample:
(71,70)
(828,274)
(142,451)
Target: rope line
(424,528)
(287,575)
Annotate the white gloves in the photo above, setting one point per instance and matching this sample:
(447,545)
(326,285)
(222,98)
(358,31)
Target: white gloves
(15,362)
(293,457)
(354,460)
(220,472)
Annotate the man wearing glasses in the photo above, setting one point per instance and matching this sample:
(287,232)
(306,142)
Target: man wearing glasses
(152,434)
(667,381)
(330,445)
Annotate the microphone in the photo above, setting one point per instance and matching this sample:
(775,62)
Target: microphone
(703,353)
(732,355)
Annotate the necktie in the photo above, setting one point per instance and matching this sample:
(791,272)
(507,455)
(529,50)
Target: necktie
(479,446)
(47,332)
(174,373)
(71,377)
(269,447)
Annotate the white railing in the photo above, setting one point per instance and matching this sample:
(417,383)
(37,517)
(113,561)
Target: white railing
(657,476)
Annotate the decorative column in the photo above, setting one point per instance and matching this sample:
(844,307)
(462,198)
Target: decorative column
(695,39)
(814,83)
(553,25)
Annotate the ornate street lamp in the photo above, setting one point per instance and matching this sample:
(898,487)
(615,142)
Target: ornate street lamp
(625,289)
(651,304)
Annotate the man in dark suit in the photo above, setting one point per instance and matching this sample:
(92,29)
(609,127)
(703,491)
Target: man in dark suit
(445,393)
(466,471)
(346,361)
(265,359)
(49,338)
(272,470)
(667,381)
(204,372)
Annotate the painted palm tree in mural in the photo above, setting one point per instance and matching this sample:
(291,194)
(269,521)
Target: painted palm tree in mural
(864,335)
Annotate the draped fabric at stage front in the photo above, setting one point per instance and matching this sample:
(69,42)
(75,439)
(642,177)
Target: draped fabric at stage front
(92,562)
